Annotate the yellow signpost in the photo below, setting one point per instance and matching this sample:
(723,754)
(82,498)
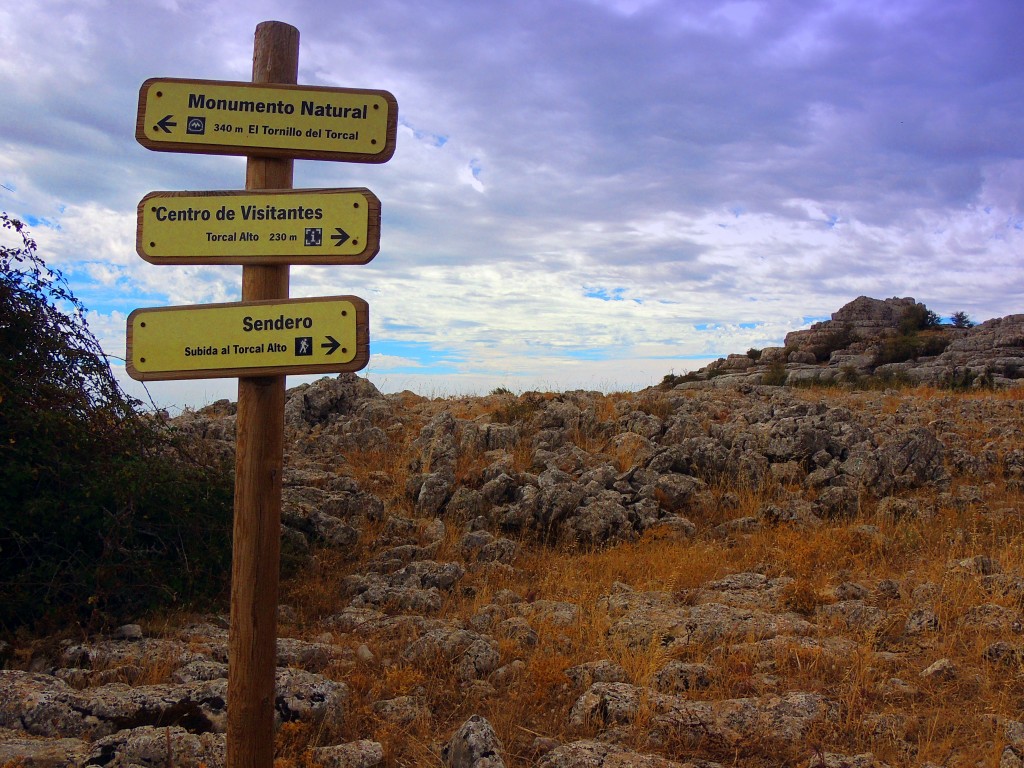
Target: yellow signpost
(311,226)
(268,119)
(264,338)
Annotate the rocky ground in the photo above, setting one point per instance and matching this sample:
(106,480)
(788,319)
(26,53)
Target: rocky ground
(753,575)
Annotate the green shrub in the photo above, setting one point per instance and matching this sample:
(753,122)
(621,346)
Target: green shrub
(776,374)
(519,410)
(917,318)
(961,320)
(814,382)
(839,338)
(849,376)
(754,354)
(883,381)
(106,512)
(896,349)
(964,379)
(670,380)
(932,343)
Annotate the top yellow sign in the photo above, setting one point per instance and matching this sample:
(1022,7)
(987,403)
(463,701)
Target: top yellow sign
(269,120)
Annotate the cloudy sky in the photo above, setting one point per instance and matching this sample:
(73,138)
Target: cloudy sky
(585,193)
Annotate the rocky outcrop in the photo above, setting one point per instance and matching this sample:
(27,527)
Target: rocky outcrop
(863,319)
(869,337)
(990,353)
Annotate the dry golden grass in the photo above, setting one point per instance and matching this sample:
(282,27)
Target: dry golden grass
(886,707)
(947,722)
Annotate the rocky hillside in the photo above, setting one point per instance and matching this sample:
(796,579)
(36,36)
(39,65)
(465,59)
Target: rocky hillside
(891,340)
(697,576)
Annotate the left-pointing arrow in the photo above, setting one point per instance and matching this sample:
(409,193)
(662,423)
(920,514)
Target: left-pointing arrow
(331,345)
(341,237)
(165,124)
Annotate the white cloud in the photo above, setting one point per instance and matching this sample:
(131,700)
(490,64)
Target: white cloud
(578,186)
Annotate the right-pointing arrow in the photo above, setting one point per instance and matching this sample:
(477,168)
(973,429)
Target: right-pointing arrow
(331,345)
(341,237)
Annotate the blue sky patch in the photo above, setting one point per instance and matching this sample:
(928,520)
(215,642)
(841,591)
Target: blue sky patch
(587,353)
(805,320)
(98,298)
(604,294)
(428,358)
(434,139)
(704,356)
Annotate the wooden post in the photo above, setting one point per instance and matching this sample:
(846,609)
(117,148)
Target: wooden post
(255,565)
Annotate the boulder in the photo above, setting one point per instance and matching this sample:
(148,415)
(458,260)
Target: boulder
(473,745)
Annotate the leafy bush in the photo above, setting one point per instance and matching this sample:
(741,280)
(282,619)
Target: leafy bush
(839,338)
(670,380)
(961,320)
(776,374)
(898,349)
(965,379)
(106,511)
(519,410)
(919,336)
(882,381)
(817,381)
(917,318)
(754,354)
(932,343)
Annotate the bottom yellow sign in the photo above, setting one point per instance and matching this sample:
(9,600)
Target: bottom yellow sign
(258,338)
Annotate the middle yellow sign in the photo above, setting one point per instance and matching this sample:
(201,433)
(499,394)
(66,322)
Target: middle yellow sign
(303,226)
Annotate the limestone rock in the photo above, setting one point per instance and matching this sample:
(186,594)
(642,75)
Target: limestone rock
(835,760)
(16,749)
(598,754)
(473,655)
(401,711)
(153,747)
(474,745)
(603,671)
(779,719)
(315,403)
(41,705)
(356,754)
